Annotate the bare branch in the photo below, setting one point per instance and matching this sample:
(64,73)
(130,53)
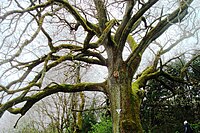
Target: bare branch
(162,26)
(126,18)
(49,2)
(133,20)
(101,13)
(86,25)
(185,67)
(31,100)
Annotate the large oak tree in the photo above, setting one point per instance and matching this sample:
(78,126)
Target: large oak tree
(38,36)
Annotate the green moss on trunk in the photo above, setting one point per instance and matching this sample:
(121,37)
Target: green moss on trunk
(128,119)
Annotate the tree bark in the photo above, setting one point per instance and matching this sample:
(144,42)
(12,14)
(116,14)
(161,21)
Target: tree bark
(125,108)
(125,100)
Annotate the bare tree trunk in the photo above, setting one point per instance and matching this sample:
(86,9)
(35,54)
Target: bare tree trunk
(80,114)
(125,108)
(125,102)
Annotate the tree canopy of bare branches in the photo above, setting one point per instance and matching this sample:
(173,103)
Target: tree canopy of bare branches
(42,36)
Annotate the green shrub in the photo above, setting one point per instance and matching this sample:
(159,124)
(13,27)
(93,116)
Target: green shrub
(89,119)
(104,126)
(196,127)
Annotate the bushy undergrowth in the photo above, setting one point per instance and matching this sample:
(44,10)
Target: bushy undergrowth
(196,127)
(104,126)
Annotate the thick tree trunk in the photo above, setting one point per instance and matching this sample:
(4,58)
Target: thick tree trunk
(125,103)
(125,108)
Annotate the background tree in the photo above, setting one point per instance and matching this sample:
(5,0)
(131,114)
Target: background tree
(38,36)
(63,113)
(55,114)
(168,101)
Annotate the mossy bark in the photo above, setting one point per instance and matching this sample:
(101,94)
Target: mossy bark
(125,101)
(125,108)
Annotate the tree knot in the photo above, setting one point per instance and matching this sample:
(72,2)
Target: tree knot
(116,74)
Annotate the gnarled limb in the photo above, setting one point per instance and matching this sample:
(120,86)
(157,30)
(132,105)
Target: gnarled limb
(106,32)
(48,3)
(88,27)
(101,13)
(51,89)
(126,18)
(174,17)
(133,20)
